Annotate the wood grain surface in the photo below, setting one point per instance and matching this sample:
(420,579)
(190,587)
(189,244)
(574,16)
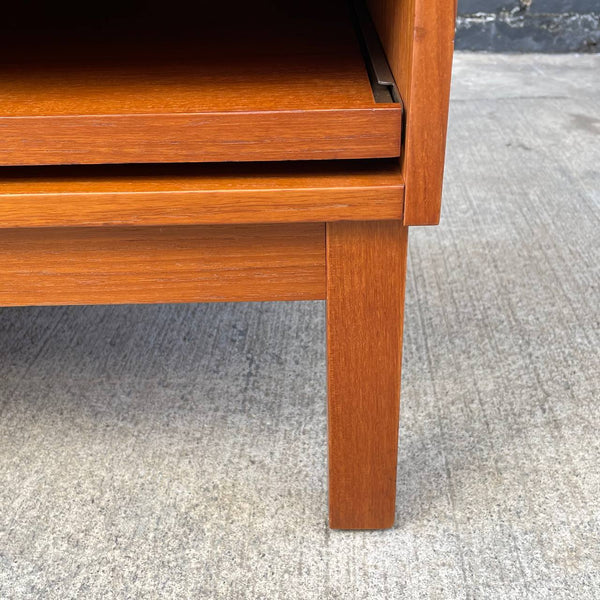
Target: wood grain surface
(418,36)
(200,194)
(161,264)
(279,82)
(366,266)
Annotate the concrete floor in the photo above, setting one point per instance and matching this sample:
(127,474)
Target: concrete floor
(179,451)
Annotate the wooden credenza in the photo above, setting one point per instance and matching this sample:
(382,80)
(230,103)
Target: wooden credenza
(197,152)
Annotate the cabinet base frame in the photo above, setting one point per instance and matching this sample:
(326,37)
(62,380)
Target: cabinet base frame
(141,265)
(358,266)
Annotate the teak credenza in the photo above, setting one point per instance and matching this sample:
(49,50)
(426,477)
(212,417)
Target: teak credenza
(196,152)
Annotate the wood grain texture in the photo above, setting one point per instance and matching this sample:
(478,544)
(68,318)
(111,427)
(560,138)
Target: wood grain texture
(202,137)
(200,194)
(366,266)
(418,36)
(161,264)
(280,82)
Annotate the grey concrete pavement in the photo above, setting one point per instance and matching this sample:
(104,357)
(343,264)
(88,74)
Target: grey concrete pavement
(180,451)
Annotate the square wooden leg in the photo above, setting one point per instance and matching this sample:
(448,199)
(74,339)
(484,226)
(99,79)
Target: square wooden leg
(366,268)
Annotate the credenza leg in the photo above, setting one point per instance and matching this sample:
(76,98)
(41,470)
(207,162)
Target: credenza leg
(366,268)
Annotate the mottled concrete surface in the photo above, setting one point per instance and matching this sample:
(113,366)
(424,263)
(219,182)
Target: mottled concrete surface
(528,25)
(179,451)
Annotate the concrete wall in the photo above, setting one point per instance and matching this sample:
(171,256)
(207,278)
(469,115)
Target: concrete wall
(529,25)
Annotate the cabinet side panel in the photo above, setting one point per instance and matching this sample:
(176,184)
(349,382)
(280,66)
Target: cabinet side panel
(418,36)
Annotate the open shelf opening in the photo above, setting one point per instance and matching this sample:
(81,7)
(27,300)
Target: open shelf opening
(145,81)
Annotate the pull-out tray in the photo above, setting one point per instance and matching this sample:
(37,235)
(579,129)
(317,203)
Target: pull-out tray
(263,81)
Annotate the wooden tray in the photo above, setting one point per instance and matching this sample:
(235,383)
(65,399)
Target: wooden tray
(267,81)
